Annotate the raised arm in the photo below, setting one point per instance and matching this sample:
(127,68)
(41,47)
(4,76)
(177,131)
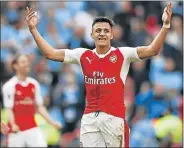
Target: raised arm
(154,48)
(47,50)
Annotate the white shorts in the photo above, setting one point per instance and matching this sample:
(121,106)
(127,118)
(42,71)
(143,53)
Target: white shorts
(28,138)
(103,130)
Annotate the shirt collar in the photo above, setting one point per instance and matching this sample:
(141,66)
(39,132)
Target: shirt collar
(103,55)
(23,83)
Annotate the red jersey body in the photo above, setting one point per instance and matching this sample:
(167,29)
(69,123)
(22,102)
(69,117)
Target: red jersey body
(104,87)
(104,77)
(22,97)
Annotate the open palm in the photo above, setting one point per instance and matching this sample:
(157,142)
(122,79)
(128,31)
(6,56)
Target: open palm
(32,18)
(166,17)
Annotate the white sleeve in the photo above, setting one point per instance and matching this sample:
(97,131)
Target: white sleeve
(73,56)
(130,53)
(38,96)
(8,95)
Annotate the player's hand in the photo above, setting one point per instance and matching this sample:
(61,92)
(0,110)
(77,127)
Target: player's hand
(32,18)
(4,128)
(166,16)
(57,124)
(15,128)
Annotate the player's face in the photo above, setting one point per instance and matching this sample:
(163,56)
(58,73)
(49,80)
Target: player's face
(23,65)
(102,33)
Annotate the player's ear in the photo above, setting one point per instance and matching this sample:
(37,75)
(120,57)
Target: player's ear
(92,35)
(112,36)
(14,67)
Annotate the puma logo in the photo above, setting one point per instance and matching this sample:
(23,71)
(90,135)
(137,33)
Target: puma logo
(89,60)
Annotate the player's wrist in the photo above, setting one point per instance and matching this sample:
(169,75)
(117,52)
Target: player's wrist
(32,29)
(15,128)
(166,25)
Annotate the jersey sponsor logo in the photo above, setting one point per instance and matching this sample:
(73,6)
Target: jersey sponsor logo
(89,80)
(26,101)
(113,58)
(89,60)
(98,78)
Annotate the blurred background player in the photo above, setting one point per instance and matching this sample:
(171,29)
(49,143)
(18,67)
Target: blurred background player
(103,123)
(22,98)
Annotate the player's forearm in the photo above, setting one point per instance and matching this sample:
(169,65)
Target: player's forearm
(158,42)
(155,47)
(44,47)
(43,112)
(11,117)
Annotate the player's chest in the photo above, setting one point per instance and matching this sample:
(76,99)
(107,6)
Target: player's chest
(24,95)
(95,66)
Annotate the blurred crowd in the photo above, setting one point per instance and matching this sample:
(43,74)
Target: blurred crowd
(153,91)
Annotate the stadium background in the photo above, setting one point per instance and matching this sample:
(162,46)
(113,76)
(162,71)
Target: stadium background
(153,92)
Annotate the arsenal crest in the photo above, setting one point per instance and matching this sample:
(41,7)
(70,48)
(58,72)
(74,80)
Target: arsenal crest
(113,58)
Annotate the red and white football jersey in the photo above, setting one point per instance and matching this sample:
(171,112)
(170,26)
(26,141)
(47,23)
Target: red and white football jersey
(21,97)
(104,77)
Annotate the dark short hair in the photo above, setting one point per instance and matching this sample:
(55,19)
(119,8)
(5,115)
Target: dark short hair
(103,19)
(15,60)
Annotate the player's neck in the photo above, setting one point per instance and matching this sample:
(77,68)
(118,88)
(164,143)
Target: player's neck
(21,77)
(102,49)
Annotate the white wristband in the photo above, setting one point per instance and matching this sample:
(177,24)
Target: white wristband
(167,25)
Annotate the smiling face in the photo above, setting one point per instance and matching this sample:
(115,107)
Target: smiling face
(102,34)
